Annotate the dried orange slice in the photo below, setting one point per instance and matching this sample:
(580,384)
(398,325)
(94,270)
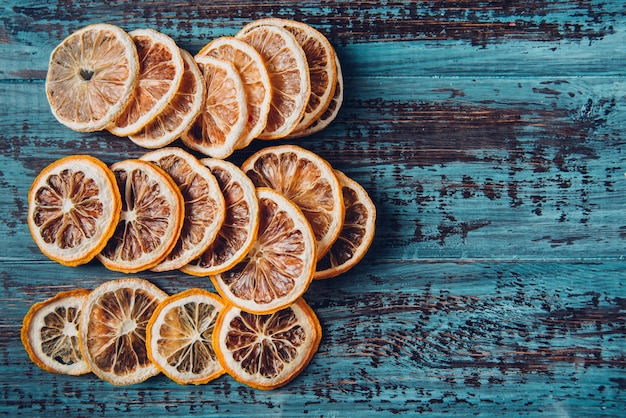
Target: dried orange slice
(308,180)
(256,81)
(329,114)
(266,351)
(73,207)
(204,204)
(280,265)
(112,330)
(180,112)
(151,220)
(50,333)
(289,76)
(320,56)
(240,226)
(223,120)
(356,234)
(160,73)
(179,337)
(91,76)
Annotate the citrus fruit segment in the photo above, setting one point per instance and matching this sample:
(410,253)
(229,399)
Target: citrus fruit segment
(73,207)
(50,333)
(179,337)
(241,223)
(151,220)
(266,351)
(329,114)
(160,73)
(306,179)
(320,57)
(280,265)
(180,112)
(256,81)
(91,76)
(223,120)
(356,234)
(289,76)
(113,330)
(204,204)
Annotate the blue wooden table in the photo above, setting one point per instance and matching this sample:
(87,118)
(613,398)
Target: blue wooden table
(490,135)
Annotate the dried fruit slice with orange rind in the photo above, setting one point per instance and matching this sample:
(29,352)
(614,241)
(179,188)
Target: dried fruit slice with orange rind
(266,351)
(205,208)
(308,180)
(254,76)
(50,333)
(151,219)
(280,264)
(91,76)
(160,73)
(112,330)
(241,223)
(180,112)
(289,76)
(179,337)
(357,232)
(73,207)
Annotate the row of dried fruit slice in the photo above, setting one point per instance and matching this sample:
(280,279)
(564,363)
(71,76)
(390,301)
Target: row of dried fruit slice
(276,78)
(261,232)
(128,330)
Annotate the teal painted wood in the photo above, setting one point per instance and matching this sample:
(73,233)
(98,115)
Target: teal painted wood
(490,136)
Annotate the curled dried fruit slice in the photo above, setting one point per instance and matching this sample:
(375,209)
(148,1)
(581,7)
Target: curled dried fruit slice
(91,77)
(151,220)
(50,333)
(160,73)
(356,234)
(223,120)
(180,112)
(280,264)
(113,330)
(180,337)
(256,81)
(308,180)
(241,223)
(289,76)
(204,205)
(266,351)
(73,207)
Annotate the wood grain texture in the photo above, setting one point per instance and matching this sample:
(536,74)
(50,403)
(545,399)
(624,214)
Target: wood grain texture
(490,136)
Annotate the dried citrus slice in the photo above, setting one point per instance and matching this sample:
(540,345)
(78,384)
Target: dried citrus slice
(151,220)
(289,76)
(240,226)
(91,76)
(329,114)
(356,234)
(223,120)
(180,112)
(50,333)
(266,351)
(160,73)
(204,204)
(179,337)
(112,330)
(73,207)
(320,56)
(256,81)
(308,180)
(280,265)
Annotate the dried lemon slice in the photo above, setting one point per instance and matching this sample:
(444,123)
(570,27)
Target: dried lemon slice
(73,207)
(91,76)
(50,333)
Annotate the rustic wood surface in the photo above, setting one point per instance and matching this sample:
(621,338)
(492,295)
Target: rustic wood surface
(490,135)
